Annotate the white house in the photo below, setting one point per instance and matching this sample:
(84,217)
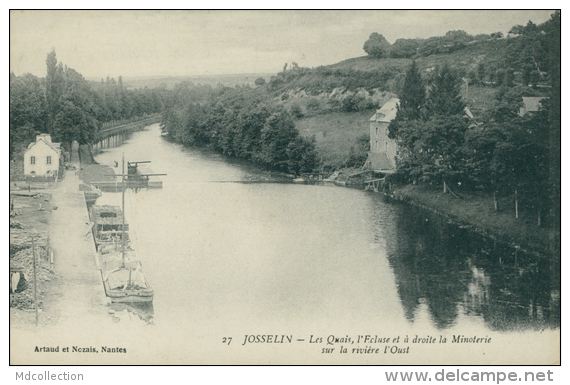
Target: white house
(42,157)
(383,150)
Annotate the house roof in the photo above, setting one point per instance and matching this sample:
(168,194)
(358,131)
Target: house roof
(531,103)
(53,146)
(388,111)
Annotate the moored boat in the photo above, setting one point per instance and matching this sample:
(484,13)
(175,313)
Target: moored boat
(121,271)
(123,277)
(108,225)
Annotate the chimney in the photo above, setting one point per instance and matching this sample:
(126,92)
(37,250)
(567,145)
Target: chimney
(46,137)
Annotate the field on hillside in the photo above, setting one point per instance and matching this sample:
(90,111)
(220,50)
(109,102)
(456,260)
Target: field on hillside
(335,133)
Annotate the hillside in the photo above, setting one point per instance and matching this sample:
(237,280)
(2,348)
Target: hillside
(321,97)
(490,52)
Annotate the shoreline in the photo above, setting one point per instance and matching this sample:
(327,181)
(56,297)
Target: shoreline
(476,212)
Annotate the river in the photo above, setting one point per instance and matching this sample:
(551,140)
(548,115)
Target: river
(302,263)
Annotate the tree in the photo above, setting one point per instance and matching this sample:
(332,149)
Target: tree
(404,48)
(302,155)
(296,111)
(431,150)
(54,88)
(456,40)
(75,119)
(516,30)
(526,75)
(481,72)
(260,82)
(510,77)
(431,140)
(508,102)
(351,103)
(412,100)
(251,122)
(500,77)
(552,30)
(278,131)
(27,109)
(377,46)
(72,123)
(413,96)
(358,153)
(445,94)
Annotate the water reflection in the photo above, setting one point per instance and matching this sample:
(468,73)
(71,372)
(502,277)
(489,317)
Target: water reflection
(132,312)
(455,271)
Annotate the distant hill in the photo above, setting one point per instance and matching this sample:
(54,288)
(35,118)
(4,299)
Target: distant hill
(170,81)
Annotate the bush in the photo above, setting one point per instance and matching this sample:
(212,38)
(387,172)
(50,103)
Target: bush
(313,104)
(296,111)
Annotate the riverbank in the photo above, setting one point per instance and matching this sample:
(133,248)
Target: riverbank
(68,281)
(477,211)
(30,215)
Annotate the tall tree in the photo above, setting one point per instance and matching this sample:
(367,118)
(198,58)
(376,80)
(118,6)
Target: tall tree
(445,94)
(54,88)
(413,96)
(412,100)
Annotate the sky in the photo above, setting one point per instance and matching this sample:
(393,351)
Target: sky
(130,43)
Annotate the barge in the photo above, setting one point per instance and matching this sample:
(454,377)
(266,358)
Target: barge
(109,226)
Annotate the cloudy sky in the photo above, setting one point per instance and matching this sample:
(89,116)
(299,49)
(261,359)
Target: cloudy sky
(178,43)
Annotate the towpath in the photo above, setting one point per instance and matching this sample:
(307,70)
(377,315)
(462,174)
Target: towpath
(80,289)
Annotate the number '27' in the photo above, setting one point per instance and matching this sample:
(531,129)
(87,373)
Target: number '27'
(226,340)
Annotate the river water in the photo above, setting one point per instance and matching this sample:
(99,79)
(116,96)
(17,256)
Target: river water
(307,262)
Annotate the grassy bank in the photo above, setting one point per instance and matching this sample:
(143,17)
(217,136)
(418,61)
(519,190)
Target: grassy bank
(478,212)
(336,133)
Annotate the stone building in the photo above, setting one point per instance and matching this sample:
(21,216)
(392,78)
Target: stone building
(383,150)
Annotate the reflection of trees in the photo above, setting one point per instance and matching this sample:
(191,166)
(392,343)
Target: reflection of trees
(424,260)
(521,292)
(452,270)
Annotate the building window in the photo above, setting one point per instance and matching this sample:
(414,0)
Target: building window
(48,160)
(377,145)
(32,160)
(386,146)
(376,131)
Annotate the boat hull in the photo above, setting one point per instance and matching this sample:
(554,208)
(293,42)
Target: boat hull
(123,279)
(118,296)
